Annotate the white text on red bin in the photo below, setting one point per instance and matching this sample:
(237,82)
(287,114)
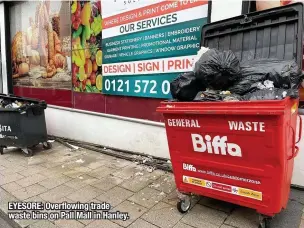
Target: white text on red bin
(246,126)
(183,123)
(218,145)
(189,167)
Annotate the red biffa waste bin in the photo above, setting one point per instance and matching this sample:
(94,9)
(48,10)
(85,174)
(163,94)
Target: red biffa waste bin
(240,152)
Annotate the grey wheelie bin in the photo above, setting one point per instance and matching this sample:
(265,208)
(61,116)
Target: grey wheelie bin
(22,123)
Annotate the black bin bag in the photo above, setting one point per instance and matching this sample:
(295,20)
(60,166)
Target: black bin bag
(217,69)
(246,85)
(186,86)
(208,96)
(284,74)
(271,94)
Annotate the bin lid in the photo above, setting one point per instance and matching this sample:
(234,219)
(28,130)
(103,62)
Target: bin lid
(33,103)
(273,33)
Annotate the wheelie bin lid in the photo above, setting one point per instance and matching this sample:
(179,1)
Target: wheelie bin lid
(33,103)
(273,33)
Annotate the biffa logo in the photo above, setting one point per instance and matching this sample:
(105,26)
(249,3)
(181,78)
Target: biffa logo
(189,167)
(217,145)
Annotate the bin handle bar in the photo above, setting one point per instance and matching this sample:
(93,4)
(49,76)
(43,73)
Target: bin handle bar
(294,152)
(293,143)
(300,129)
(295,149)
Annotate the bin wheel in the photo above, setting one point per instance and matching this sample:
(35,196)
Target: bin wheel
(47,145)
(184,205)
(265,223)
(2,149)
(28,152)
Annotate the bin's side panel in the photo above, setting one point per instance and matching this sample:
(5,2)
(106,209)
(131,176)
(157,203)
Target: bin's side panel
(229,157)
(290,136)
(34,128)
(10,131)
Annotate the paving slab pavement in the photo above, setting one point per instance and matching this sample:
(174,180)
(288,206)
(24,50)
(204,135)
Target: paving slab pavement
(4,224)
(60,175)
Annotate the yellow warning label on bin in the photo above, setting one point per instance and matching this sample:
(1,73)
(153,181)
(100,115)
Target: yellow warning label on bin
(294,108)
(250,193)
(234,190)
(195,181)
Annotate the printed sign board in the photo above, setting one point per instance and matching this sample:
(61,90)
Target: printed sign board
(147,45)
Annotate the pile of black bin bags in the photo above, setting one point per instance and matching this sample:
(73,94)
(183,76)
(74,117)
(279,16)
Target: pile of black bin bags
(220,76)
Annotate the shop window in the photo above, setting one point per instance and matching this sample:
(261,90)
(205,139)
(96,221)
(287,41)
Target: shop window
(40,34)
(252,5)
(86,46)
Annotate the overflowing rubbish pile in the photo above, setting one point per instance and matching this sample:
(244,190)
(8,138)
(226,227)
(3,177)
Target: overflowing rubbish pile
(8,103)
(220,76)
(22,105)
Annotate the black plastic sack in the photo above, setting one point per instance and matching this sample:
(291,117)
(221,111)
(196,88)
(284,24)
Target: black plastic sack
(208,96)
(218,70)
(185,87)
(252,73)
(37,109)
(273,94)
(211,95)
(284,74)
(246,84)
